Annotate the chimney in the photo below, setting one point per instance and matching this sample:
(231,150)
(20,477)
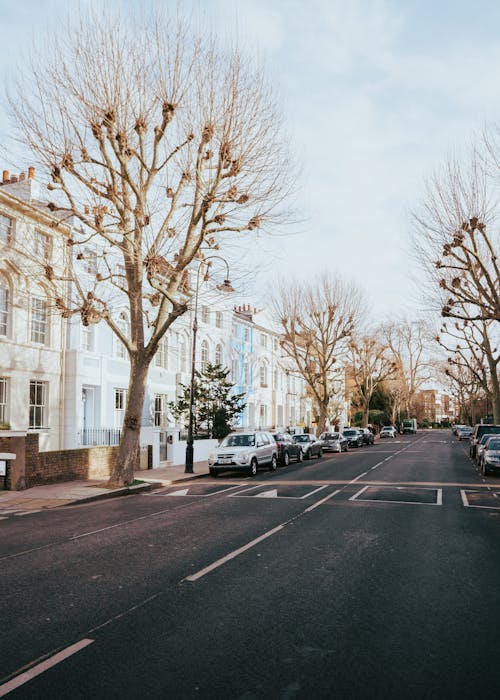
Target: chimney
(31,172)
(13,179)
(5,176)
(22,177)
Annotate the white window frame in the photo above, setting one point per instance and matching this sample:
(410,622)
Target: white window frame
(119,406)
(205,314)
(4,399)
(4,308)
(204,356)
(219,319)
(87,338)
(37,404)
(218,354)
(6,228)
(120,349)
(160,410)
(161,356)
(90,261)
(42,245)
(263,375)
(39,320)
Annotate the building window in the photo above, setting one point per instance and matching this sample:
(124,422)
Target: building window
(218,354)
(160,417)
(263,375)
(204,355)
(246,372)
(38,402)
(4,308)
(87,338)
(262,416)
(120,403)
(38,320)
(247,334)
(263,340)
(218,319)
(42,245)
(183,355)
(120,349)
(6,228)
(275,344)
(235,368)
(3,400)
(90,261)
(275,379)
(205,314)
(161,357)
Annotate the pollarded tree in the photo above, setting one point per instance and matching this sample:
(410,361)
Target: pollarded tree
(317,320)
(158,145)
(457,241)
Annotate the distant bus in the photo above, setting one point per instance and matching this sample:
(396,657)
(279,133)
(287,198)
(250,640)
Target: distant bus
(410,425)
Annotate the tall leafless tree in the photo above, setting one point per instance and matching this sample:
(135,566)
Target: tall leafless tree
(158,146)
(473,352)
(408,343)
(457,240)
(317,320)
(371,364)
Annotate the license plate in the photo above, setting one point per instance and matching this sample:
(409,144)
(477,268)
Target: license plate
(224,460)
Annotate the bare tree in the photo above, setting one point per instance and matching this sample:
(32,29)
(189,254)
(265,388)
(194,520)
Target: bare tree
(317,320)
(457,241)
(158,145)
(408,343)
(474,353)
(371,364)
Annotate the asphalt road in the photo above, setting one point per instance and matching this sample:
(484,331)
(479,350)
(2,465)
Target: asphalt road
(370,574)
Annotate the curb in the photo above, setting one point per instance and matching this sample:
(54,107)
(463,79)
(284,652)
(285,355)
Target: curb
(113,493)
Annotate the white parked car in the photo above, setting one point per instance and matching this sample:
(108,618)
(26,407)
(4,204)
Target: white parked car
(244,451)
(388,431)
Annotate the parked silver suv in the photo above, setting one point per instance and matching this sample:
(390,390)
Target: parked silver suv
(247,451)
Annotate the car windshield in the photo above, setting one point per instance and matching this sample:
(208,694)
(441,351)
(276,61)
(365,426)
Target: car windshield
(485,438)
(238,441)
(331,436)
(350,432)
(301,438)
(493,445)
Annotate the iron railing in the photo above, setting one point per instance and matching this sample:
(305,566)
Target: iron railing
(99,436)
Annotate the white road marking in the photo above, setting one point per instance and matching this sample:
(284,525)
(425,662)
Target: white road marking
(273,493)
(437,502)
(43,666)
(182,492)
(323,500)
(232,555)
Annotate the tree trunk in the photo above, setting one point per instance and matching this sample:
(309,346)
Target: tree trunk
(128,460)
(323,417)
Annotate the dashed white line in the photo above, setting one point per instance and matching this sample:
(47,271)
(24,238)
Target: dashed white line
(23,678)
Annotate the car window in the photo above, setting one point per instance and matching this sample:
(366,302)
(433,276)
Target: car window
(300,438)
(238,441)
(493,445)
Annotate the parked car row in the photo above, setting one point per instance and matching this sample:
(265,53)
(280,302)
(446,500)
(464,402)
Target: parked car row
(247,451)
(484,444)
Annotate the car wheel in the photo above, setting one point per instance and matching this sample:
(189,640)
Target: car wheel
(213,472)
(274,464)
(286,459)
(300,456)
(320,453)
(253,467)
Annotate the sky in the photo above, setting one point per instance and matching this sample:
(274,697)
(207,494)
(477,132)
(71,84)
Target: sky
(376,94)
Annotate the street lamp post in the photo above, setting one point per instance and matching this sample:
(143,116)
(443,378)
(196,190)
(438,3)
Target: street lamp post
(224,287)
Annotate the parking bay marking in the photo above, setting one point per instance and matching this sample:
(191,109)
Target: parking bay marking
(198,490)
(477,499)
(278,492)
(396,494)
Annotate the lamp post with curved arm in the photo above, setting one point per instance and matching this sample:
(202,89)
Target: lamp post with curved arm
(224,287)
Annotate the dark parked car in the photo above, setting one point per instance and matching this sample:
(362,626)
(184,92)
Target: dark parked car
(368,437)
(287,449)
(479,430)
(354,437)
(309,444)
(334,442)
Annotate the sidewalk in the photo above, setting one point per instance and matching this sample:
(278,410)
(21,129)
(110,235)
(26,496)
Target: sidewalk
(66,493)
